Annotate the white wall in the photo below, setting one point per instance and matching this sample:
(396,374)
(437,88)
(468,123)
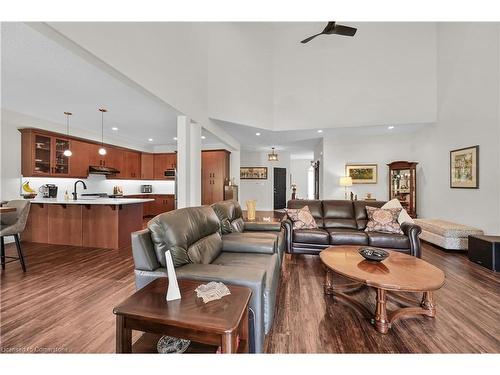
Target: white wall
(370,149)
(468,115)
(240,73)
(299,169)
(262,190)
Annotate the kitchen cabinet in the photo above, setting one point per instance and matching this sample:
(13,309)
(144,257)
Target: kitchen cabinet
(131,165)
(147,166)
(79,160)
(162,203)
(162,162)
(43,154)
(214,175)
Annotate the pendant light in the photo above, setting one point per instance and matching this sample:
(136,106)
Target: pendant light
(102,150)
(67,152)
(273,156)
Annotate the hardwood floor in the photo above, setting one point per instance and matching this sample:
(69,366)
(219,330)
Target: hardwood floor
(64,304)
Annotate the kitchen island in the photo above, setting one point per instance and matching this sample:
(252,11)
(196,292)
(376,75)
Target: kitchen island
(98,222)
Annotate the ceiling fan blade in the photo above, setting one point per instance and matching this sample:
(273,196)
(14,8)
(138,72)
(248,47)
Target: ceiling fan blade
(344,30)
(310,38)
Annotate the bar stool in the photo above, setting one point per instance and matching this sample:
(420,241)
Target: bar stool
(12,224)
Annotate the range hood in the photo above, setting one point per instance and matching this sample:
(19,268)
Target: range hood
(107,171)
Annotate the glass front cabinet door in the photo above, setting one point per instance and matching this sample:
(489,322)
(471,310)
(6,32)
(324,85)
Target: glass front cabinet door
(403,185)
(49,158)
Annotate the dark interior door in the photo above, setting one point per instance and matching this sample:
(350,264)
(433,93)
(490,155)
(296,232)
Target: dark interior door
(279,188)
(316,180)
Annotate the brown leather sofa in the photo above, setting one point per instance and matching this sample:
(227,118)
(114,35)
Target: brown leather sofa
(343,222)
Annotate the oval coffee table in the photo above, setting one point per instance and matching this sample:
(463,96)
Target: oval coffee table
(399,272)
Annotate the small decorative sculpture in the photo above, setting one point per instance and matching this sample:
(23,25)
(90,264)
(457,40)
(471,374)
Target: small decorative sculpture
(352,196)
(173,291)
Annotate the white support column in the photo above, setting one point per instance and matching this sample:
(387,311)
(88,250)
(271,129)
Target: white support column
(188,163)
(195,165)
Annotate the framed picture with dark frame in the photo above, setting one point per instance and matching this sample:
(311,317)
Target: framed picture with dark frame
(362,173)
(464,168)
(253,173)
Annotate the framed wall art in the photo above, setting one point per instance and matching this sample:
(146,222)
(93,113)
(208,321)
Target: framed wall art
(253,173)
(464,168)
(362,173)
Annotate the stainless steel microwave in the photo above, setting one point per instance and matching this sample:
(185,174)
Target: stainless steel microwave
(170,173)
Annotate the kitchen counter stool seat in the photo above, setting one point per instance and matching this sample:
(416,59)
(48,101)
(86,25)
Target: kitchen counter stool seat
(12,224)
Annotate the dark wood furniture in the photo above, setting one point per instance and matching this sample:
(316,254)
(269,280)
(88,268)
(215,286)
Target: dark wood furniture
(162,162)
(398,273)
(147,166)
(403,185)
(162,203)
(485,251)
(221,323)
(214,175)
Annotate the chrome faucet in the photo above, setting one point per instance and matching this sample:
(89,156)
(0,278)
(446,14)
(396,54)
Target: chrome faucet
(75,197)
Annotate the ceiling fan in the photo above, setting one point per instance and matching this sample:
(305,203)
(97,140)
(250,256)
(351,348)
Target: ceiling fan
(333,28)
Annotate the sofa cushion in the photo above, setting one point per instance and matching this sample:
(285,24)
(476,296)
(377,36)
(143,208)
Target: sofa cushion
(403,216)
(230,215)
(318,236)
(383,220)
(360,211)
(178,230)
(205,250)
(315,207)
(389,240)
(347,237)
(301,218)
(339,214)
(258,243)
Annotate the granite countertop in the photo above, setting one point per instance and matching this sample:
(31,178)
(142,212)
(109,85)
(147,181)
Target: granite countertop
(93,201)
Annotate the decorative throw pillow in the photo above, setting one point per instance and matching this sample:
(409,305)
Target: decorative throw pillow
(403,216)
(383,220)
(301,218)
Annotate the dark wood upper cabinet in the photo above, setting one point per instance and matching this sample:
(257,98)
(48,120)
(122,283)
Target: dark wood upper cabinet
(131,165)
(79,161)
(161,163)
(43,154)
(214,175)
(147,167)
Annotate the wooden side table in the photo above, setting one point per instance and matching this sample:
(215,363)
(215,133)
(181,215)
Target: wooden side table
(221,323)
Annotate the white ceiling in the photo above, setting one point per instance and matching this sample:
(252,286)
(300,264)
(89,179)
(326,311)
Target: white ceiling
(43,79)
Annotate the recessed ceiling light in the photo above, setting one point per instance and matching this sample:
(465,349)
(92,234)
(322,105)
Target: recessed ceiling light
(175,138)
(257,134)
(150,139)
(114,128)
(320,131)
(390,127)
(203,137)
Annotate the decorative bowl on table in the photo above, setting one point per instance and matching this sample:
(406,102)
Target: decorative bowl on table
(373,253)
(172,345)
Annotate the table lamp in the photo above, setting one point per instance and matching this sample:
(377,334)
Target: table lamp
(345,181)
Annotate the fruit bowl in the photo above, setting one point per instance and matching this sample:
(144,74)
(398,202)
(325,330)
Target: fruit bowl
(29,195)
(373,253)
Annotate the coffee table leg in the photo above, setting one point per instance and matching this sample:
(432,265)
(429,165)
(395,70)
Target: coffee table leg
(428,304)
(229,344)
(328,288)
(382,324)
(123,336)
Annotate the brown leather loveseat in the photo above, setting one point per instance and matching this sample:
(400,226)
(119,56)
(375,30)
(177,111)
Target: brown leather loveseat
(343,222)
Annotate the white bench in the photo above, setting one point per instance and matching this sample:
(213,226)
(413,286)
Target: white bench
(448,235)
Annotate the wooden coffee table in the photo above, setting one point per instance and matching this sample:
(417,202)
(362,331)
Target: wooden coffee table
(221,323)
(399,272)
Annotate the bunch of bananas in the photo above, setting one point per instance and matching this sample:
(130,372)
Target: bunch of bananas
(27,188)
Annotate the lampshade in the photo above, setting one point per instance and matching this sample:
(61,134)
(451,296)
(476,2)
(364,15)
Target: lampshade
(345,181)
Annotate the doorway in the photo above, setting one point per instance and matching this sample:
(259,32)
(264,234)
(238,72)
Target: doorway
(279,188)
